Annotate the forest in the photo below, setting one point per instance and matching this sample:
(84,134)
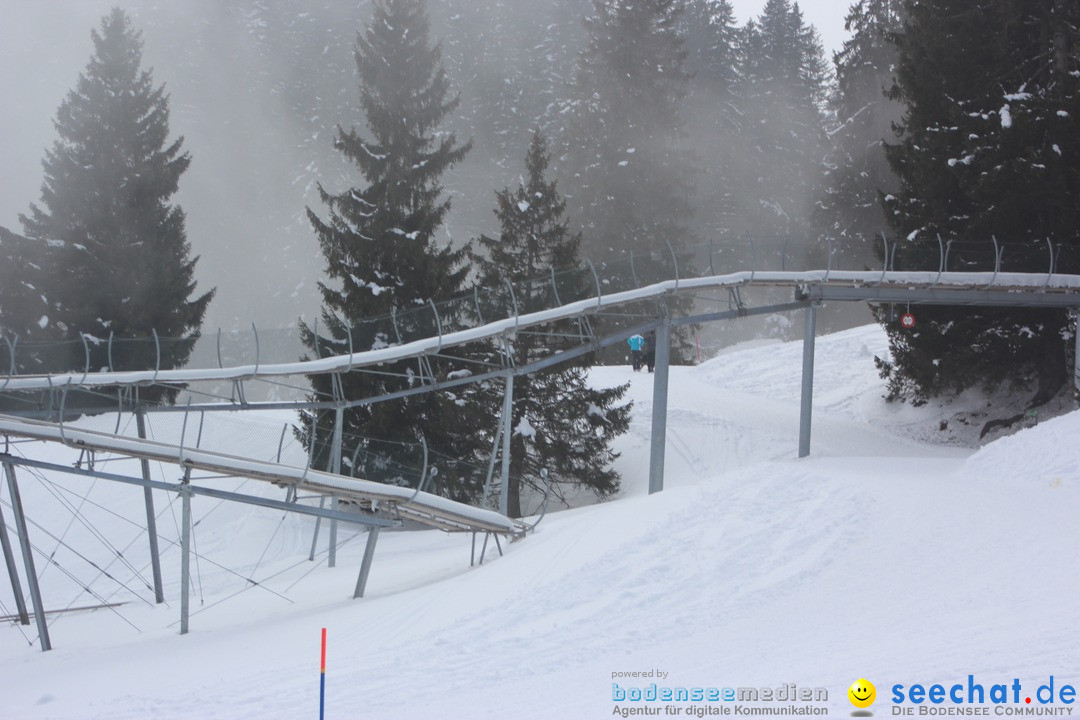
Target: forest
(365,161)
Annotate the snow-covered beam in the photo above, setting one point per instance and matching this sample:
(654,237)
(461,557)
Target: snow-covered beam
(1031,289)
(423,507)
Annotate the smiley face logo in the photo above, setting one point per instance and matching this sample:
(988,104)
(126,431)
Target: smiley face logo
(862,693)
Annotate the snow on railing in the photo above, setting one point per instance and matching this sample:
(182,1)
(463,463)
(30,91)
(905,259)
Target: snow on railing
(506,309)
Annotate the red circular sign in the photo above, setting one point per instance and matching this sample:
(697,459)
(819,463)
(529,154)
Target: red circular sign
(907,320)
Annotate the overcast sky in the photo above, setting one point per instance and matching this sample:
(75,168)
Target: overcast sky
(826,15)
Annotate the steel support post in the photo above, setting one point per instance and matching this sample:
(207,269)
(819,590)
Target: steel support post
(28,558)
(13,571)
(1076,356)
(185,557)
(315,536)
(508,419)
(659,412)
(806,407)
(151,520)
(365,566)
(331,556)
(334,466)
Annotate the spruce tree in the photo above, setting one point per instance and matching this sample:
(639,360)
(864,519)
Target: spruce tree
(988,152)
(783,88)
(714,112)
(117,259)
(560,423)
(857,173)
(712,45)
(23,308)
(623,150)
(627,169)
(382,257)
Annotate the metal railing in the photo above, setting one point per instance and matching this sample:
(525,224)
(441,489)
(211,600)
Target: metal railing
(255,348)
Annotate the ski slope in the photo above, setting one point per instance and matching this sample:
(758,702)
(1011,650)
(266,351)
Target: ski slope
(898,551)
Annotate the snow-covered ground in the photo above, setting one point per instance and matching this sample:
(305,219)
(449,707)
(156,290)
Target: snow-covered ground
(898,552)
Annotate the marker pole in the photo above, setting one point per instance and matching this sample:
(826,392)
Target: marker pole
(322,677)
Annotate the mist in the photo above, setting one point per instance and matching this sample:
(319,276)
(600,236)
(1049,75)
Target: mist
(257,90)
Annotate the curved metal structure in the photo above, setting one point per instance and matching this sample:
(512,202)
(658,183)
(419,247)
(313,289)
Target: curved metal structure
(994,288)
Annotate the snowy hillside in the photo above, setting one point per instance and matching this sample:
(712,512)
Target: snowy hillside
(881,557)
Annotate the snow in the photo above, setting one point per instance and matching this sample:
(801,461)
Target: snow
(1006,116)
(525,429)
(375,288)
(523,206)
(881,556)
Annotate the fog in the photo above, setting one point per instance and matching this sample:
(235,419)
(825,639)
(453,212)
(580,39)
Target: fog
(257,89)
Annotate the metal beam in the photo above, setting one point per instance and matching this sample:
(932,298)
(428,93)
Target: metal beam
(151,516)
(365,565)
(559,358)
(207,492)
(13,572)
(334,466)
(807,403)
(318,526)
(185,556)
(508,419)
(662,352)
(293,507)
(1076,353)
(745,312)
(943,296)
(1033,289)
(28,558)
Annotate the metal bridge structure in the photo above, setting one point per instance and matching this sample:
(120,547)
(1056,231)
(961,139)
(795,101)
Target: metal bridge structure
(586,309)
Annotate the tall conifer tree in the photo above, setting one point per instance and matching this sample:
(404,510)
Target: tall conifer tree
(989,151)
(783,88)
(714,111)
(560,423)
(117,258)
(381,252)
(630,175)
(626,167)
(858,174)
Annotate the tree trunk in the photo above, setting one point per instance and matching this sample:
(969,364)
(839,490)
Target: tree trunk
(1061,44)
(1051,369)
(513,498)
